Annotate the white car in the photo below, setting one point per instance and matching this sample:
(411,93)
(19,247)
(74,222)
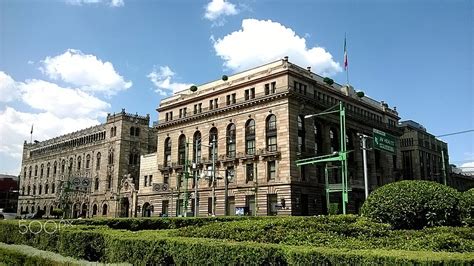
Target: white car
(7,215)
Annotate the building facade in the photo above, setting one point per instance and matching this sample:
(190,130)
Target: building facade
(422,154)
(254,124)
(91,172)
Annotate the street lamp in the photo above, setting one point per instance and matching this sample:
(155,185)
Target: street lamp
(339,156)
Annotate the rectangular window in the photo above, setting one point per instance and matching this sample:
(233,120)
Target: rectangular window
(165,207)
(267,89)
(272,143)
(166,178)
(250,204)
(199,108)
(145,181)
(249,172)
(271,204)
(195,109)
(271,170)
(209,205)
(250,147)
(211,104)
(228,99)
(233,99)
(273,87)
(215,103)
(150,180)
(247,95)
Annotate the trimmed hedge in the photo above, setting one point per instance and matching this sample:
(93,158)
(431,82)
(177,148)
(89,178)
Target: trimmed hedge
(414,204)
(26,255)
(467,207)
(155,247)
(155,223)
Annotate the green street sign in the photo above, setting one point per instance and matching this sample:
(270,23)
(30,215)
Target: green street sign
(384,141)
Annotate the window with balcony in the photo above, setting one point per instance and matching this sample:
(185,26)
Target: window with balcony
(213,136)
(181,149)
(250,137)
(167,154)
(197,147)
(301,134)
(271,133)
(230,140)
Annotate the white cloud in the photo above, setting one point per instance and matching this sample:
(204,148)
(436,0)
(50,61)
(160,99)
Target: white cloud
(468,168)
(219,8)
(8,88)
(61,102)
(86,71)
(262,41)
(112,3)
(161,78)
(15,128)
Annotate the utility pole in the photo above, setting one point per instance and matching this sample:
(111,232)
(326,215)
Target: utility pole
(185,176)
(213,175)
(364,138)
(196,211)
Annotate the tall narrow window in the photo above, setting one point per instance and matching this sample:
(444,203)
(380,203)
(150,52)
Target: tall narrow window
(271,133)
(197,147)
(249,170)
(111,156)
(213,136)
(48,167)
(181,149)
(79,163)
(167,155)
(96,187)
(36,170)
(250,137)
(230,140)
(109,181)
(271,170)
(333,139)
(53,188)
(97,164)
(318,140)
(301,134)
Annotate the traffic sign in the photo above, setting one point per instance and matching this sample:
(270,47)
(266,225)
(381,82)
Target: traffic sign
(384,141)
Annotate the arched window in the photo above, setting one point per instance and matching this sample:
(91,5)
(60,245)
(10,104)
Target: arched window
(197,147)
(132,131)
(333,139)
(41,170)
(109,181)
(97,163)
(34,189)
(113,131)
(40,189)
(48,167)
(94,210)
(96,184)
(250,137)
(318,139)
(29,172)
(71,161)
(23,190)
(271,133)
(46,189)
(104,210)
(301,134)
(181,149)
(111,157)
(63,166)
(137,131)
(79,160)
(36,170)
(29,190)
(213,136)
(53,187)
(88,161)
(55,167)
(167,154)
(24,172)
(230,140)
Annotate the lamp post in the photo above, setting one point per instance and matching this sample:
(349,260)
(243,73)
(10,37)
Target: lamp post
(340,156)
(364,138)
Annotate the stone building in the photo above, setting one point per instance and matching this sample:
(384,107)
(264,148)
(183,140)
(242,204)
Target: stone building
(91,172)
(422,153)
(255,121)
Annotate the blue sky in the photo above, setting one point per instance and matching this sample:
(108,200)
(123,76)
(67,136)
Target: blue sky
(65,63)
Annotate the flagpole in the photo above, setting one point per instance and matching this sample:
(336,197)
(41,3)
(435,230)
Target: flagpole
(31,134)
(346,63)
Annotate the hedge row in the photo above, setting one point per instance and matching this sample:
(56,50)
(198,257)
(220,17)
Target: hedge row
(336,232)
(155,223)
(154,247)
(26,255)
(467,206)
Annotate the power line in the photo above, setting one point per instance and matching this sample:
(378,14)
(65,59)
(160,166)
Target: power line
(456,133)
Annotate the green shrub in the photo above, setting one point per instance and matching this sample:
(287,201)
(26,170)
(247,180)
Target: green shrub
(414,204)
(467,207)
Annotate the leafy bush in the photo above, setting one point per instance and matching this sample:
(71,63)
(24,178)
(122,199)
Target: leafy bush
(156,247)
(413,204)
(467,207)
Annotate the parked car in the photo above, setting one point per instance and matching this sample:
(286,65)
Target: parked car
(7,214)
